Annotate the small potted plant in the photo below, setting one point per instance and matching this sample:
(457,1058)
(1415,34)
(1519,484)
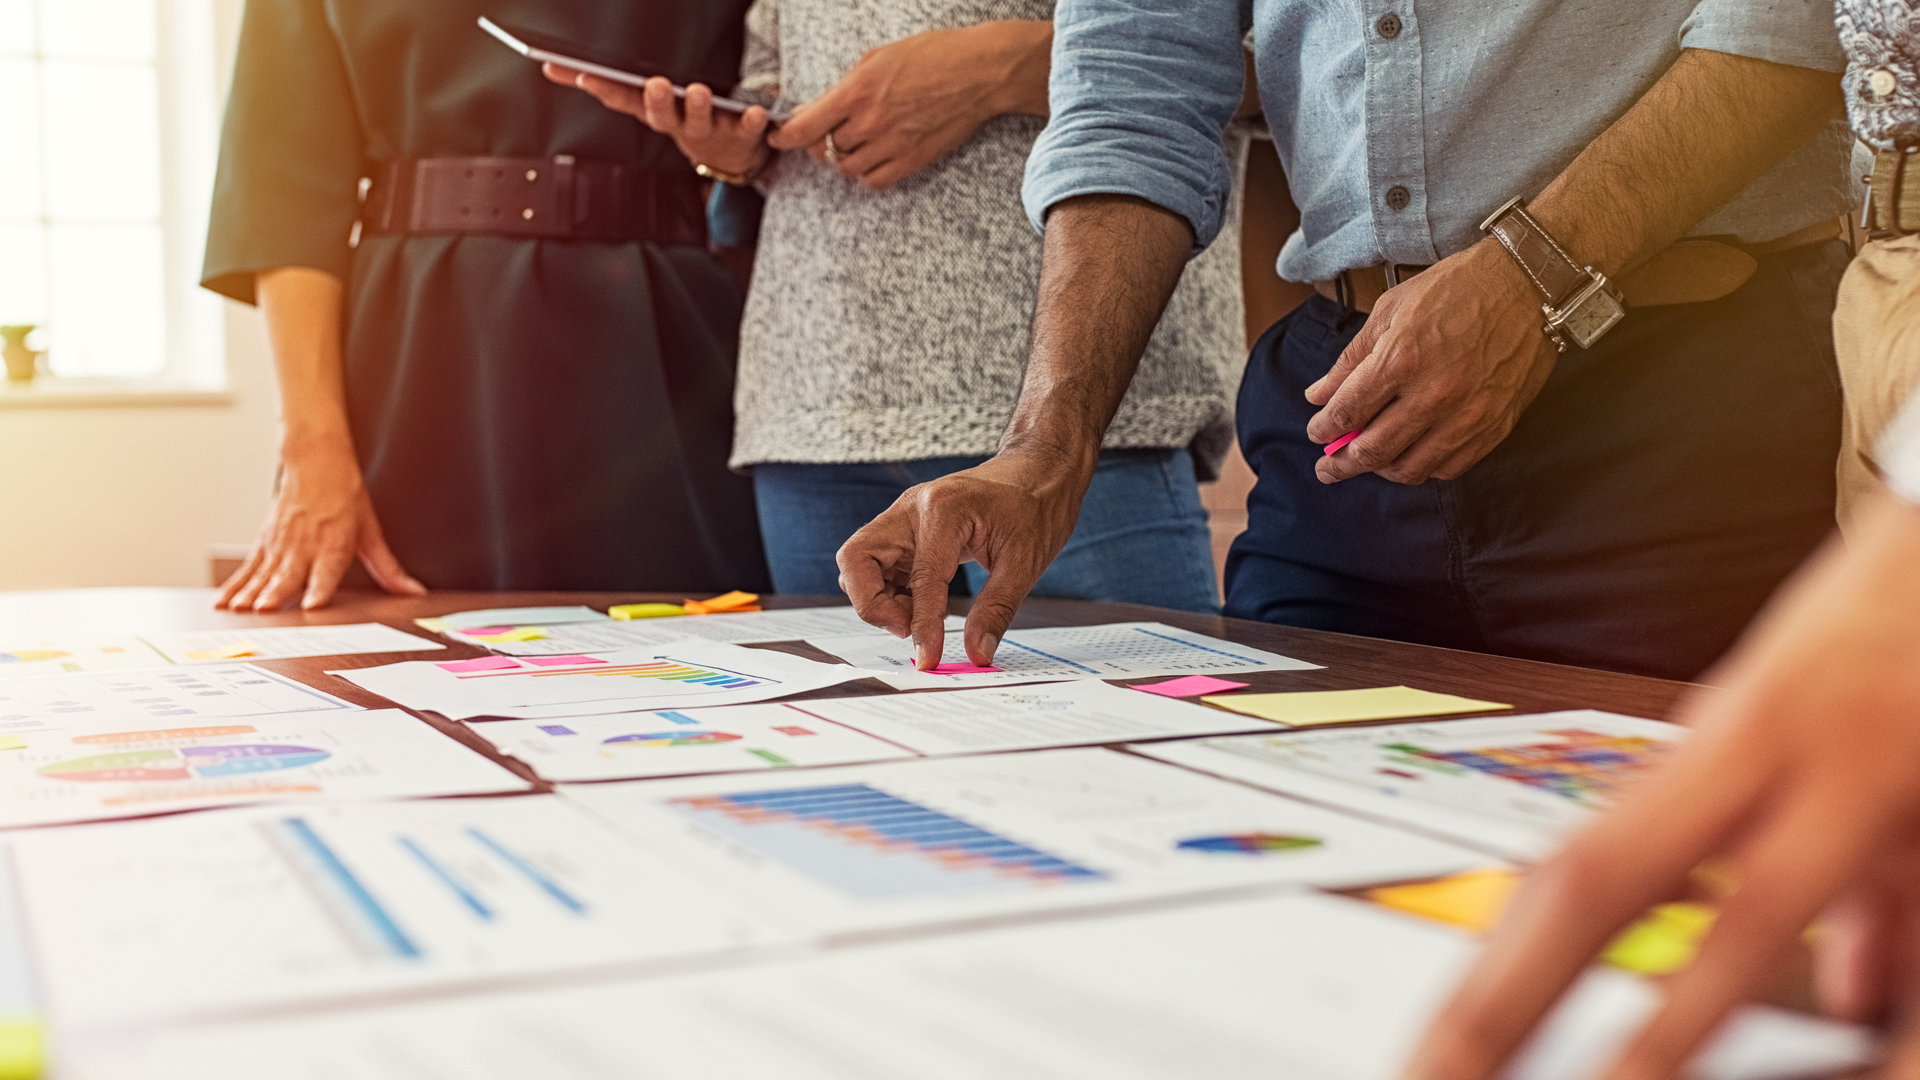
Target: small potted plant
(21,361)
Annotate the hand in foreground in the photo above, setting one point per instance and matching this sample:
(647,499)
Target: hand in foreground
(1012,514)
(1801,773)
(1438,376)
(718,139)
(320,521)
(906,104)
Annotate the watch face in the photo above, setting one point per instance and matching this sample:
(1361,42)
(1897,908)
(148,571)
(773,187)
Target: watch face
(1591,315)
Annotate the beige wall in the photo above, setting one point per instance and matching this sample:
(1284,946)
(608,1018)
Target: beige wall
(135,494)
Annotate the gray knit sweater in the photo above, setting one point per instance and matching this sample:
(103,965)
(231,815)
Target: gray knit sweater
(893,325)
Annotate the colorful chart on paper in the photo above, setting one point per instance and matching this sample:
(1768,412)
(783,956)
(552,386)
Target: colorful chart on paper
(1582,766)
(874,845)
(186,763)
(1248,843)
(675,738)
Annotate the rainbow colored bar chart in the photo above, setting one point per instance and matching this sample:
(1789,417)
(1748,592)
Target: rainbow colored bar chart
(875,845)
(1584,767)
(675,671)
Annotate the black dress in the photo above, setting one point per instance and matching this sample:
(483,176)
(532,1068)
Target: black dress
(529,414)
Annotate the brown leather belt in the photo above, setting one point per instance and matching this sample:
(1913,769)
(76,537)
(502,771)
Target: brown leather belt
(1690,272)
(560,198)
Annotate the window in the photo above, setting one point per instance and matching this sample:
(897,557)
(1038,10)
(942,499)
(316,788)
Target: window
(107,112)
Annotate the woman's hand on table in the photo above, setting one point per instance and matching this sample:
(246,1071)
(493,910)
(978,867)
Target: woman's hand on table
(729,142)
(320,521)
(1800,776)
(906,104)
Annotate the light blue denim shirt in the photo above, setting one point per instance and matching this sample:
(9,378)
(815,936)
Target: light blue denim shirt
(1401,123)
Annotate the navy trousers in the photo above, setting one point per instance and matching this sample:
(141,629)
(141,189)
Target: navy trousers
(1640,513)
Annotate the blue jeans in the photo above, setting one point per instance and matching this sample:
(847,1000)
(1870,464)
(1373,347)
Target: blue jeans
(1142,535)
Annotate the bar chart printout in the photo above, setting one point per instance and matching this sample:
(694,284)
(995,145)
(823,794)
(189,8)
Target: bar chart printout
(874,845)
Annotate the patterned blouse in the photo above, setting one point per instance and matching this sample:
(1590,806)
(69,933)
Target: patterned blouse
(1882,39)
(893,325)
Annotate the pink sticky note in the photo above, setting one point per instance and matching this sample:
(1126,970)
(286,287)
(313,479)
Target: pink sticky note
(561,661)
(1334,446)
(961,668)
(1190,686)
(479,663)
(487,631)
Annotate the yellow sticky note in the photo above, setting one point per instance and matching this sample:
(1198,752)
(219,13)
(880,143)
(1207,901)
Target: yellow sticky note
(433,625)
(12,742)
(1663,942)
(518,633)
(644,611)
(1306,707)
(1473,900)
(22,1055)
(231,652)
(733,601)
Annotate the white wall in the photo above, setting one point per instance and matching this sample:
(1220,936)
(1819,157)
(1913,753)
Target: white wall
(135,494)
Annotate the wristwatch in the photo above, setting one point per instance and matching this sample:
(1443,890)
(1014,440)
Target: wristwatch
(1581,304)
(1898,455)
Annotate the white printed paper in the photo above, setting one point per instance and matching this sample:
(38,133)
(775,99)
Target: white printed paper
(1083,713)
(1516,785)
(731,738)
(738,628)
(521,616)
(1300,987)
(1056,653)
(941,840)
(165,696)
(284,642)
(120,770)
(687,675)
(21,659)
(253,908)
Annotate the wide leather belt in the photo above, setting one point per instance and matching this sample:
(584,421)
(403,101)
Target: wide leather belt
(1893,196)
(1690,272)
(560,198)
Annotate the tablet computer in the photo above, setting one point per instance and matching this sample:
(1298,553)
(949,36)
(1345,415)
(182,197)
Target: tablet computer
(549,49)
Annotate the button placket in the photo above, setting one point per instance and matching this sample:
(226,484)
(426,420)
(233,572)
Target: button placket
(1396,131)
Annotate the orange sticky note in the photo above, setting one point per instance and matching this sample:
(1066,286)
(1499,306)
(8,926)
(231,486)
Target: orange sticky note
(1473,900)
(733,601)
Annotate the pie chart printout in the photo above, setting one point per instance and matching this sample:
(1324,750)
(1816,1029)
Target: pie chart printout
(186,763)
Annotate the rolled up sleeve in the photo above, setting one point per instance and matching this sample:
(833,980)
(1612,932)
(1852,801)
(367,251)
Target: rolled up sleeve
(1796,32)
(1140,93)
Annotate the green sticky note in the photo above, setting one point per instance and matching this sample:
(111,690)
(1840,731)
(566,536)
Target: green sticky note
(22,1054)
(1663,942)
(1308,707)
(12,742)
(645,611)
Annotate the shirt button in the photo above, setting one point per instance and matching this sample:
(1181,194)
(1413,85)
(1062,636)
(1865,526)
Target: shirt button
(1388,26)
(1882,83)
(1397,198)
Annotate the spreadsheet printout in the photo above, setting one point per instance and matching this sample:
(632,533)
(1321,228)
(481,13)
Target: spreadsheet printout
(166,696)
(1111,651)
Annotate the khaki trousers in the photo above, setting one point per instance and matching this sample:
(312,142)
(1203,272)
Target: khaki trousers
(1876,336)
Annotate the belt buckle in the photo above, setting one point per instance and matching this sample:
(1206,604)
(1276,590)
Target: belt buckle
(1392,271)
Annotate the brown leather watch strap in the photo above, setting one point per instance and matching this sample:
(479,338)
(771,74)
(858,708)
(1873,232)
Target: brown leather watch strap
(1552,270)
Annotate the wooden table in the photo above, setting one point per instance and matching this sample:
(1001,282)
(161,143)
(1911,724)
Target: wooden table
(1350,662)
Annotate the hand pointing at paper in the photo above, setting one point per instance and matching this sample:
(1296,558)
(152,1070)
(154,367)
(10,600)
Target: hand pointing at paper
(1800,773)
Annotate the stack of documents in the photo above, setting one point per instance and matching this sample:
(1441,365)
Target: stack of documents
(519,631)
